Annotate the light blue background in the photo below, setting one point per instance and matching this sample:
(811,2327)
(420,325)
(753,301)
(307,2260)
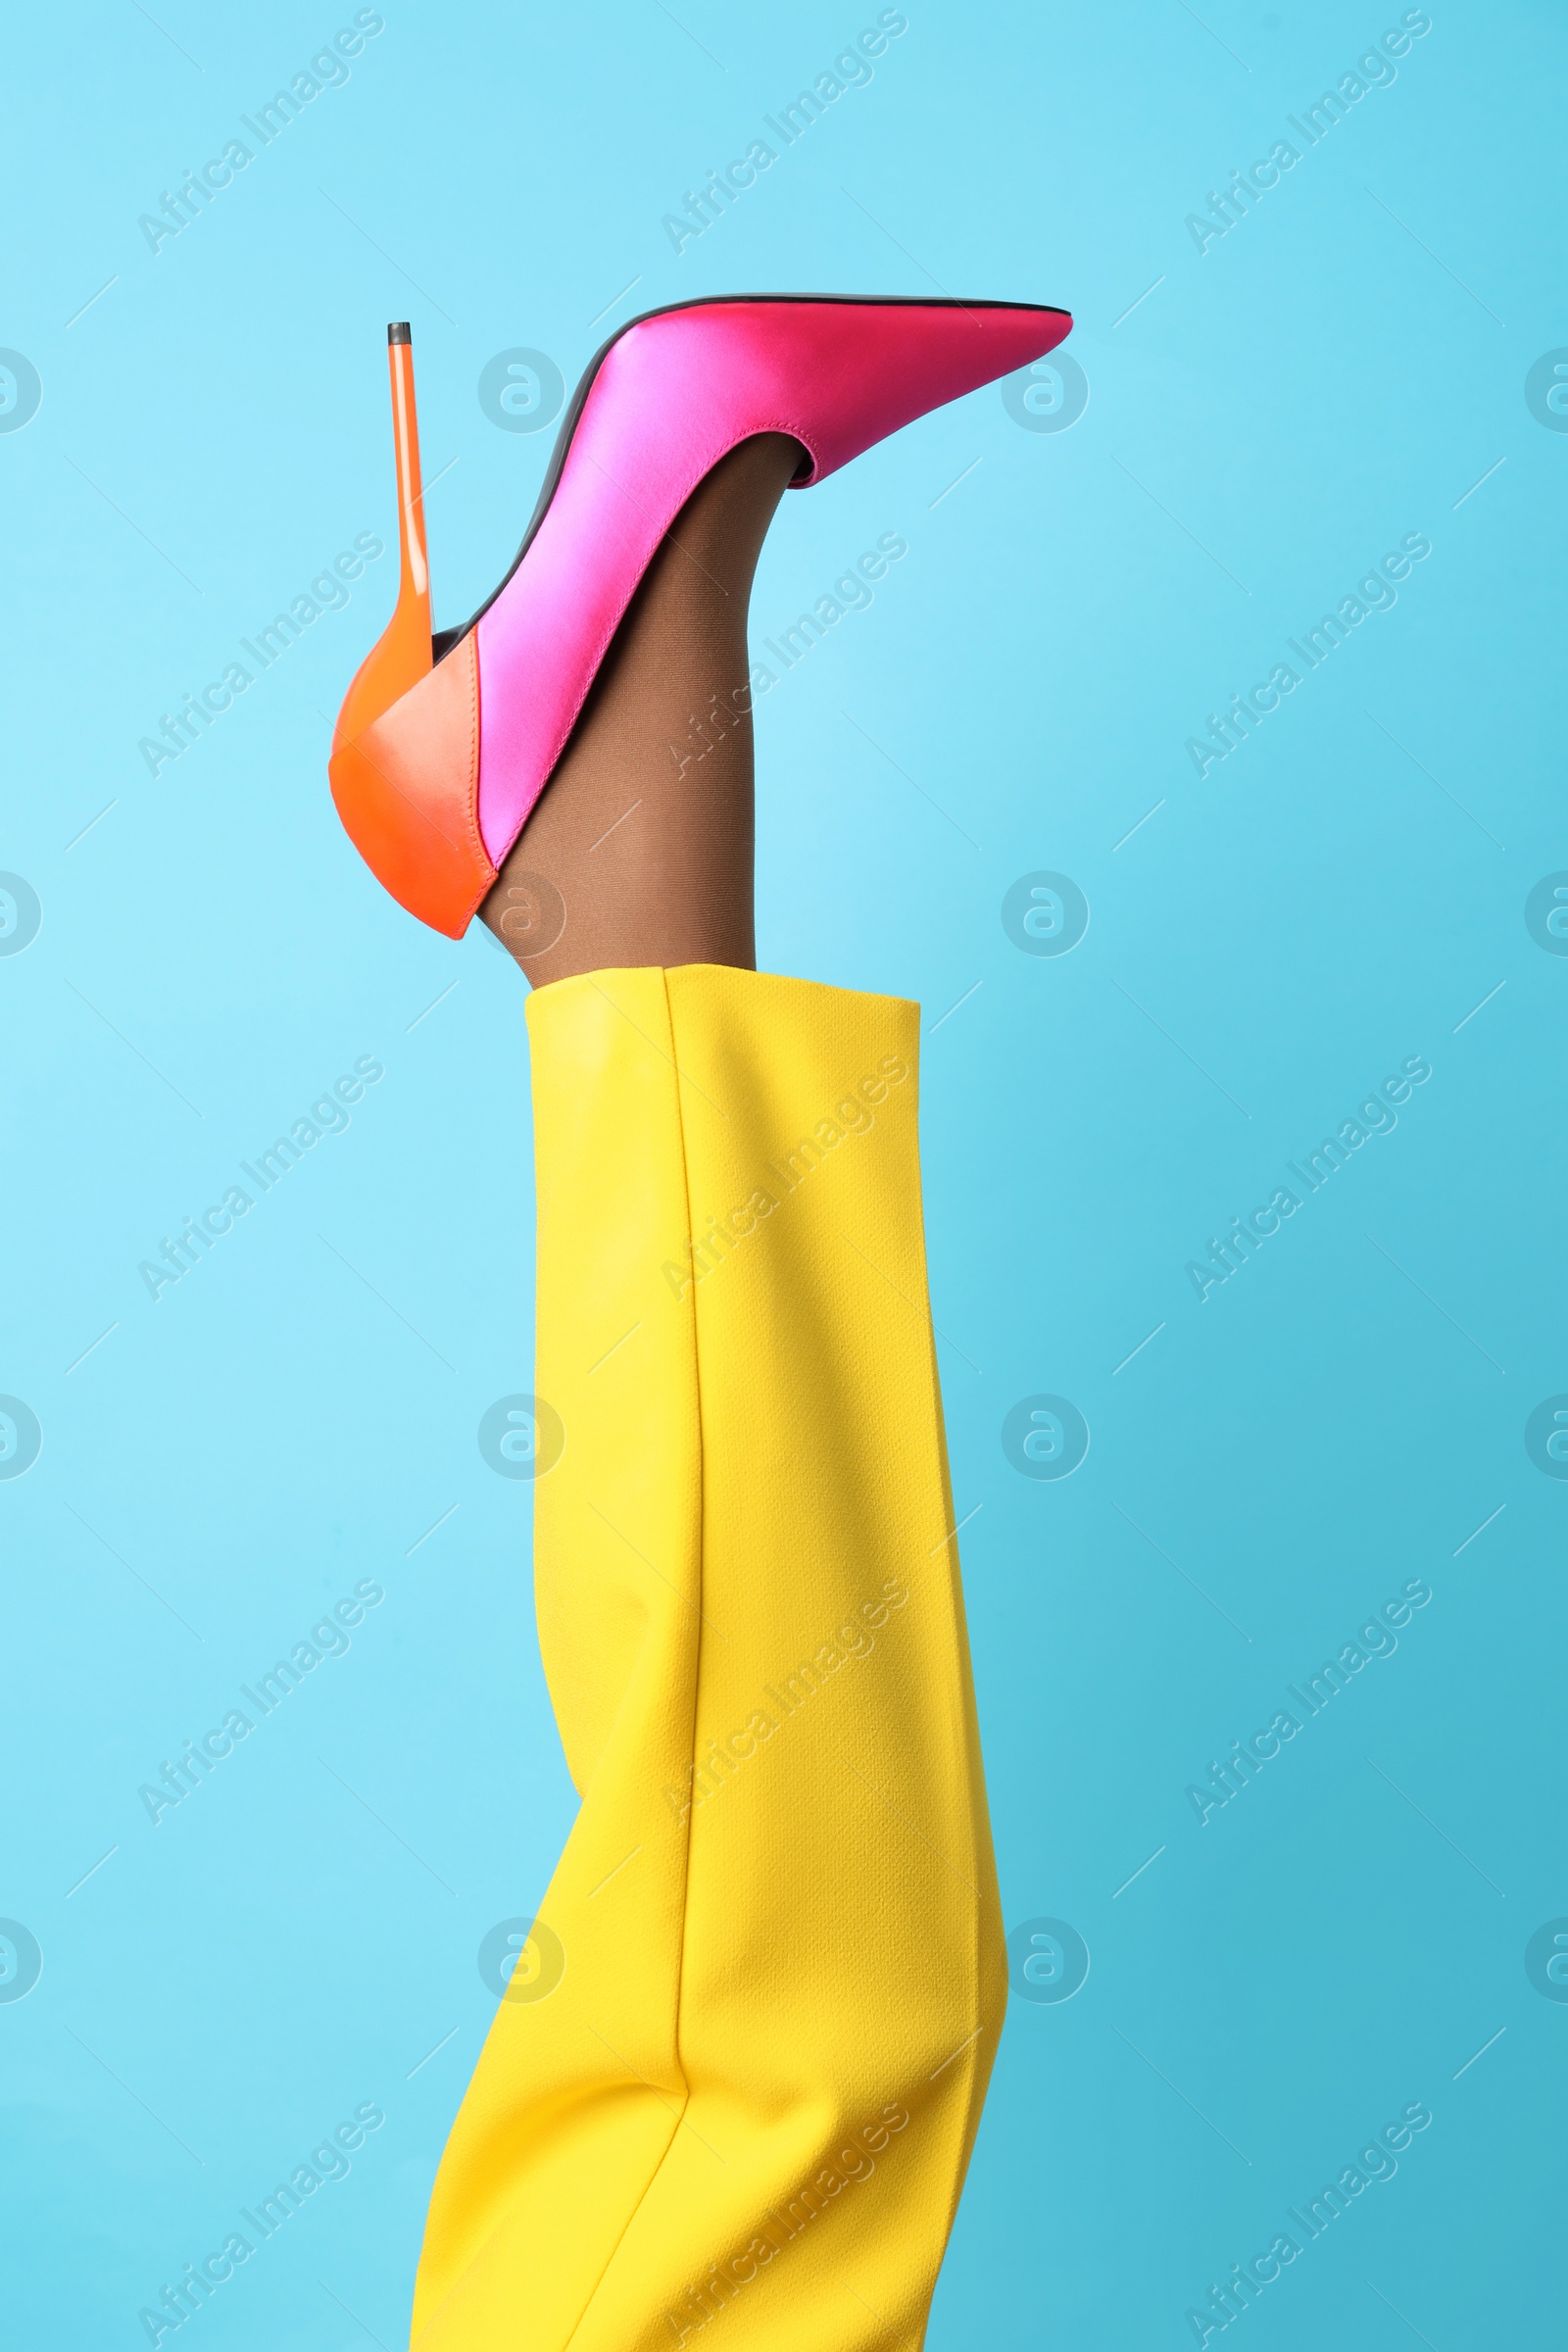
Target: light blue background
(1336,372)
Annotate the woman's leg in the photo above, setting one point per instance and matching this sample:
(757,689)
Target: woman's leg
(640,851)
(739,2070)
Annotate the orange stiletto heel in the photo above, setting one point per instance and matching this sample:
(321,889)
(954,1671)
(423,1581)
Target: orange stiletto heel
(402,655)
(383,779)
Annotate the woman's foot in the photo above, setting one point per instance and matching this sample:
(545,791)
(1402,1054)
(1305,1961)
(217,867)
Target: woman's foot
(640,851)
(446,743)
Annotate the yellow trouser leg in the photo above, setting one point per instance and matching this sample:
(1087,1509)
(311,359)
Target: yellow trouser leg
(751,2097)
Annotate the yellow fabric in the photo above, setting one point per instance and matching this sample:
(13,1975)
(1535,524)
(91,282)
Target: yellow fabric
(750,2099)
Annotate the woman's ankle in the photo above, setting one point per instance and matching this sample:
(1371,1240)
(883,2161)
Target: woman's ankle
(640,851)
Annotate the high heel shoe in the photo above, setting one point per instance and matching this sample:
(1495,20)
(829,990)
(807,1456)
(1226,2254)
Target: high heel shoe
(445,741)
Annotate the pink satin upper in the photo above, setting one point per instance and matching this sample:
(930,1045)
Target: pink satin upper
(670,398)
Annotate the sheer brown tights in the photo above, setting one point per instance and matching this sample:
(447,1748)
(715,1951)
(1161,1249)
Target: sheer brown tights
(640,851)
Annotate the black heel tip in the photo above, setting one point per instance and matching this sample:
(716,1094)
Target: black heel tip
(399,331)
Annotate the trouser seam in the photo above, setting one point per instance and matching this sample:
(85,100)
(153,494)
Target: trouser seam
(685,1909)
